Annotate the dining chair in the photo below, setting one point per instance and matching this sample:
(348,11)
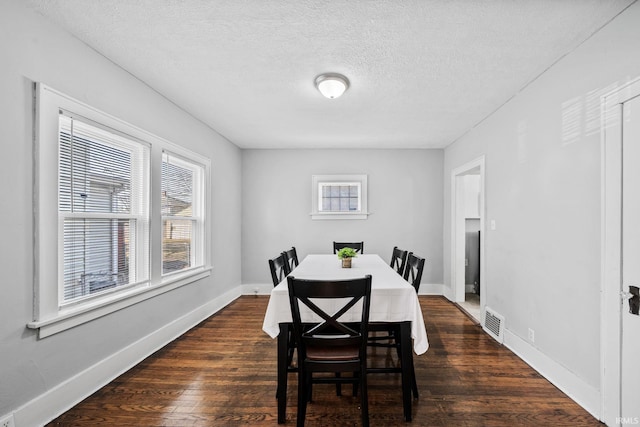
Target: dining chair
(279,269)
(387,334)
(413,270)
(398,260)
(358,246)
(291,258)
(331,345)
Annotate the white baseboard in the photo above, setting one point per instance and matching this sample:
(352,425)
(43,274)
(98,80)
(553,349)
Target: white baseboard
(431,289)
(569,383)
(64,396)
(256,289)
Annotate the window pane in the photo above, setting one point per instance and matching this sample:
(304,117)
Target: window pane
(344,205)
(344,191)
(335,204)
(353,191)
(353,204)
(96,255)
(176,245)
(95,176)
(177,190)
(335,191)
(326,204)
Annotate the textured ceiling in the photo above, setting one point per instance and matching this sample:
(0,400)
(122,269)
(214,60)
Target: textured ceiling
(422,72)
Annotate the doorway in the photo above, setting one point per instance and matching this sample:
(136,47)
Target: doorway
(467,185)
(620,373)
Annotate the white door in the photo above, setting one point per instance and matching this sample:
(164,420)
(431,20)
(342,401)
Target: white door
(630,349)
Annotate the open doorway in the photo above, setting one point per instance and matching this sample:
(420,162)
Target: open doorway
(467,237)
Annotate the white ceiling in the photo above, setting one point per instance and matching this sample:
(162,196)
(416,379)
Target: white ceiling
(422,72)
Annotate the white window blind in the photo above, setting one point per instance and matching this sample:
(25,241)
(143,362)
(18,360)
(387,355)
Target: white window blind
(182,210)
(103,207)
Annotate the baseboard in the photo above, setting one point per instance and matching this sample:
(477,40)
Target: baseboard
(62,397)
(256,289)
(431,289)
(569,383)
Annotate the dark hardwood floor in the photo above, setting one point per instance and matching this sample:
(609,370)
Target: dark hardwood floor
(223,373)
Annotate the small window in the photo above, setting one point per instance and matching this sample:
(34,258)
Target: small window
(182,208)
(339,197)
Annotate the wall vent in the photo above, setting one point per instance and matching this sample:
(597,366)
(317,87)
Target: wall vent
(493,324)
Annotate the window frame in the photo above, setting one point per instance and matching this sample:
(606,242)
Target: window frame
(49,315)
(318,181)
(198,210)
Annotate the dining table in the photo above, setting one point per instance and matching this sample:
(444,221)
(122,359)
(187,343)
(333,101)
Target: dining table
(393,300)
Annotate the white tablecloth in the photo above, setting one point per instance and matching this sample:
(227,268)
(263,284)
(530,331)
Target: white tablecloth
(393,299)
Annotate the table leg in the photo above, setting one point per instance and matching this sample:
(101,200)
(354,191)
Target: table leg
(406,363)
(281,391)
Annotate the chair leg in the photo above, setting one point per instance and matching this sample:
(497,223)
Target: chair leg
(338,385)
(303,396)
(364,397)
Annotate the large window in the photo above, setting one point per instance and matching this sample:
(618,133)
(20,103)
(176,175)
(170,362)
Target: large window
(103,182)
(339,197)
(120,214)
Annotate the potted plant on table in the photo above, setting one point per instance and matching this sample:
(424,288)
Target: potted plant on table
(345,254)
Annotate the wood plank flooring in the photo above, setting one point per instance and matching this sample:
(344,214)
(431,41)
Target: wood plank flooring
(223,373)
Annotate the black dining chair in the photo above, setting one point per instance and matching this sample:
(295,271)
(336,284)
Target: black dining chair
(330,345)
(278,267)
(291,258)
(358,246)
(413,270)
(398,259)
(387,334)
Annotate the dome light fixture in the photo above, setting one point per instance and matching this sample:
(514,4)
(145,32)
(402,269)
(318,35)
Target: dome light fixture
(332,85)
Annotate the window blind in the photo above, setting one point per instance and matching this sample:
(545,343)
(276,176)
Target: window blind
(180,207)
(103,207)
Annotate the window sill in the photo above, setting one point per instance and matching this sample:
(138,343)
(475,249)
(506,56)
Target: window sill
(70,318)
(339,215)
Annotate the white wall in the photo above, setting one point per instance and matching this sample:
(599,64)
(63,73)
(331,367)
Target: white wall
(405,201)
(543,190)
(33,50)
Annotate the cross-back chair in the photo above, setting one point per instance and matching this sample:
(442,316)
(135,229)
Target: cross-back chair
(398,259)
(291,258)
(413,270)
(279,269)
(330,345)
(358,246)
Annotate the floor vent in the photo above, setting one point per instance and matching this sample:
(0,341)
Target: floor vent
(493,324)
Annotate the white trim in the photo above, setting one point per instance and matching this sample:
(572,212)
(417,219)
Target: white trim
(64,396)
(457,239)
(611,228)
(569,383)
(48,315)
(86,313)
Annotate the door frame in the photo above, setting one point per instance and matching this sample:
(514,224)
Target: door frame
(611,249)
(458,231)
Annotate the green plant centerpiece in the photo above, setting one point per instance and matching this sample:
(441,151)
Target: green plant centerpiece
(345,254)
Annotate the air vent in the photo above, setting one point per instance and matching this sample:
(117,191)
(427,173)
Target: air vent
(493,324)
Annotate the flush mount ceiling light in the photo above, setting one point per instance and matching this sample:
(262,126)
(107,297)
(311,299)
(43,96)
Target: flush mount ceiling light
(332,85)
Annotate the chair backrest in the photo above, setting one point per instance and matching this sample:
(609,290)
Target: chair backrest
(291,258)
(398,260)
(279,269)
(413,270)
(330,331)
(358,246)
